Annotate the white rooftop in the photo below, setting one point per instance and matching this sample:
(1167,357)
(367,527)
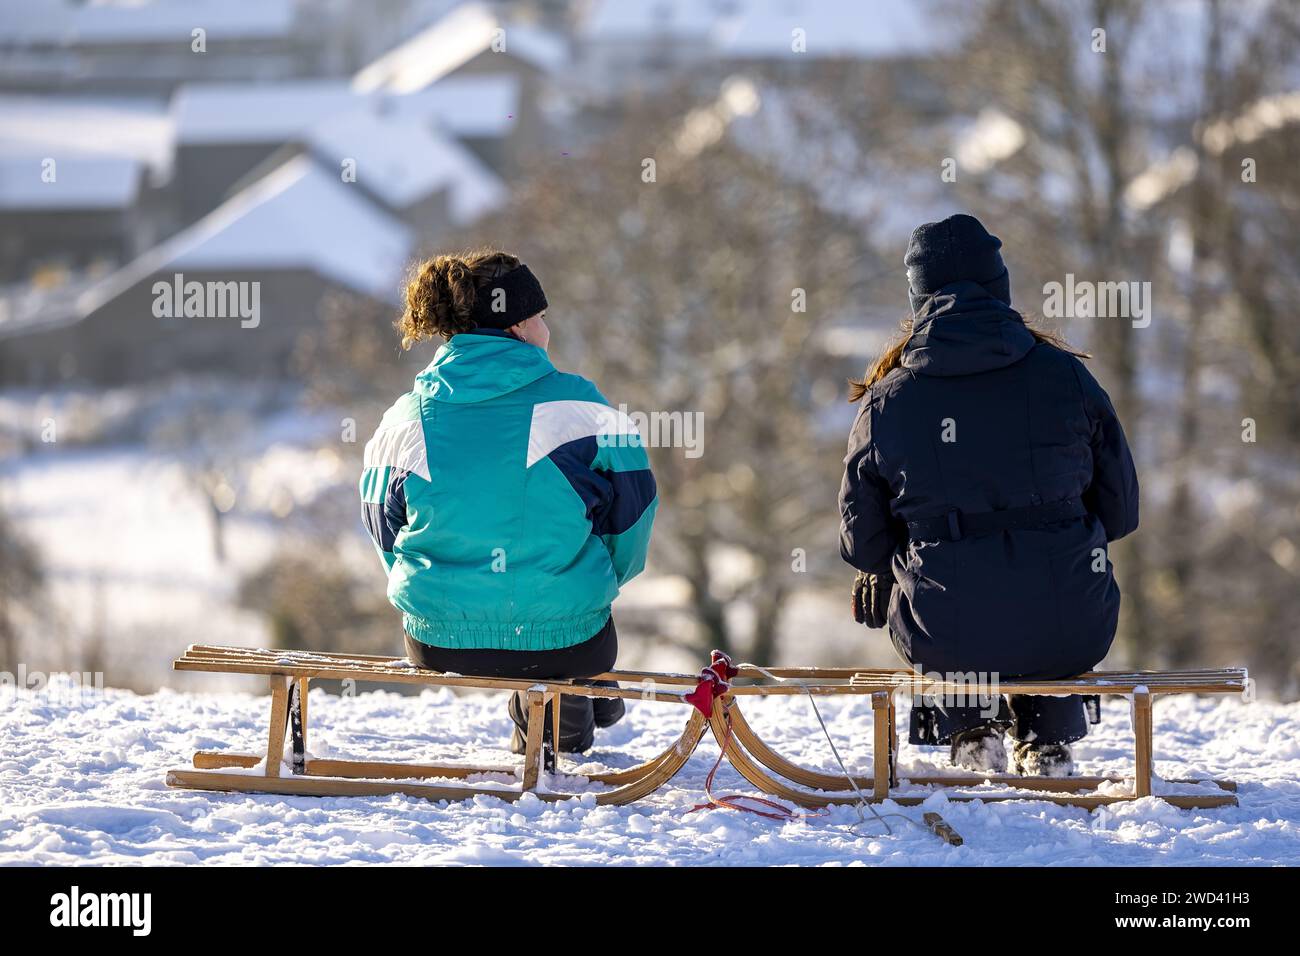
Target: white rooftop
(450,43)
(402,161)
(763,28)
(299,216)
(79,183)
(62,22)
(256,112)
(86,127)
(213,113)
(482,105)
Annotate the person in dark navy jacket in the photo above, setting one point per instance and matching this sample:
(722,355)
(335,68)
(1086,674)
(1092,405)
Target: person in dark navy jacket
(986,474)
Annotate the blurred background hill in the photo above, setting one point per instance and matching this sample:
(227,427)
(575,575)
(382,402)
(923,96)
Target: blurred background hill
(717,195)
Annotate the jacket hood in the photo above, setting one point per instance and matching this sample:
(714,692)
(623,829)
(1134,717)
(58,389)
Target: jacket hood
(473,367)
(964,330)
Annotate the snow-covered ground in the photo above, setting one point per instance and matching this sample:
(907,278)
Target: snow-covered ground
(81,781)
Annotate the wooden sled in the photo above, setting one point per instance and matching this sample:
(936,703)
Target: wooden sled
(290,672)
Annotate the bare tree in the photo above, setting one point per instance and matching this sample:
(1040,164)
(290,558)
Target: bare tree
(21,582)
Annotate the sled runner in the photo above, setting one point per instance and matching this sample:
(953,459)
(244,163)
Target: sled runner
(711,702)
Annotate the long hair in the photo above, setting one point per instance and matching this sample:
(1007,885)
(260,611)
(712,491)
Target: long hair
(892,356)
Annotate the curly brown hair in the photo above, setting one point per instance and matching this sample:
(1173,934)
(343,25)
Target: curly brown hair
(441,292)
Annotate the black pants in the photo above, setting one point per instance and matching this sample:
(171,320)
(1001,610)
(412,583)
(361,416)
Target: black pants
(579,716)
(1043,720)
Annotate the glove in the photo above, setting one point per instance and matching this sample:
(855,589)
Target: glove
(871,598)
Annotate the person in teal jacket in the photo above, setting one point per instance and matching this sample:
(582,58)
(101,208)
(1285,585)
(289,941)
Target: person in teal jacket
(508,501)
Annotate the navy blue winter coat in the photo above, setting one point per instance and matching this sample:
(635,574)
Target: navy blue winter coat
(1026,424)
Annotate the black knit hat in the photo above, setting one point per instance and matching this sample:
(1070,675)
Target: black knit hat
(508,299)
(952,250)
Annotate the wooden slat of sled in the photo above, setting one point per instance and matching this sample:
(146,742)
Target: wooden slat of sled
(342,666)
(415,676)
(326,787)
(200,653)
(647,778)
(1074,686)
(1060,784)
(1087,801)
(1231,679)
(387,770)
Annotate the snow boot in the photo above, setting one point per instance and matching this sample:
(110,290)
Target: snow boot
(1043,760)
(980,749)
(577,723)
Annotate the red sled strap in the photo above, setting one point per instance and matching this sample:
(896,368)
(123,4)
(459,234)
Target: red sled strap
(715,680)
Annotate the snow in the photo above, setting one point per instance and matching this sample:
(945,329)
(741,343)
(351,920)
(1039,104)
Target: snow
(464,33)
(82,780)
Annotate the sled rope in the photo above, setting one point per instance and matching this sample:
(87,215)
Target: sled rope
(733,801)
(863,802)
(714,682)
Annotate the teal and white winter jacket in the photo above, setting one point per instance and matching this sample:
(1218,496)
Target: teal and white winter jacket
(508,501)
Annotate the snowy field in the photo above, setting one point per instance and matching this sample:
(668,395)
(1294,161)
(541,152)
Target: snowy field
(81,781)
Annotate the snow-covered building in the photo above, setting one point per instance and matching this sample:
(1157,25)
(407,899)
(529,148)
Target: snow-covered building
(154,45)
(470,39)
(262,261)
(624,46)
(78,179)
(69,211)
(487,112)
(473,67)
(428,179)
(225,130)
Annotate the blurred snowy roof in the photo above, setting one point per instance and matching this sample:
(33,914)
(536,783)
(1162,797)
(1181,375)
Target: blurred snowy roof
(79,183)
(402,161)
(256,112)
(67,127)
(616,20)
(297,217)
(763,28)
(452,42)
(210,113)
(482,105)
(141,21)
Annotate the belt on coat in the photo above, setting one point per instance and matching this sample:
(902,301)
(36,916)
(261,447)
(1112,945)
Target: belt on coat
(954,524)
